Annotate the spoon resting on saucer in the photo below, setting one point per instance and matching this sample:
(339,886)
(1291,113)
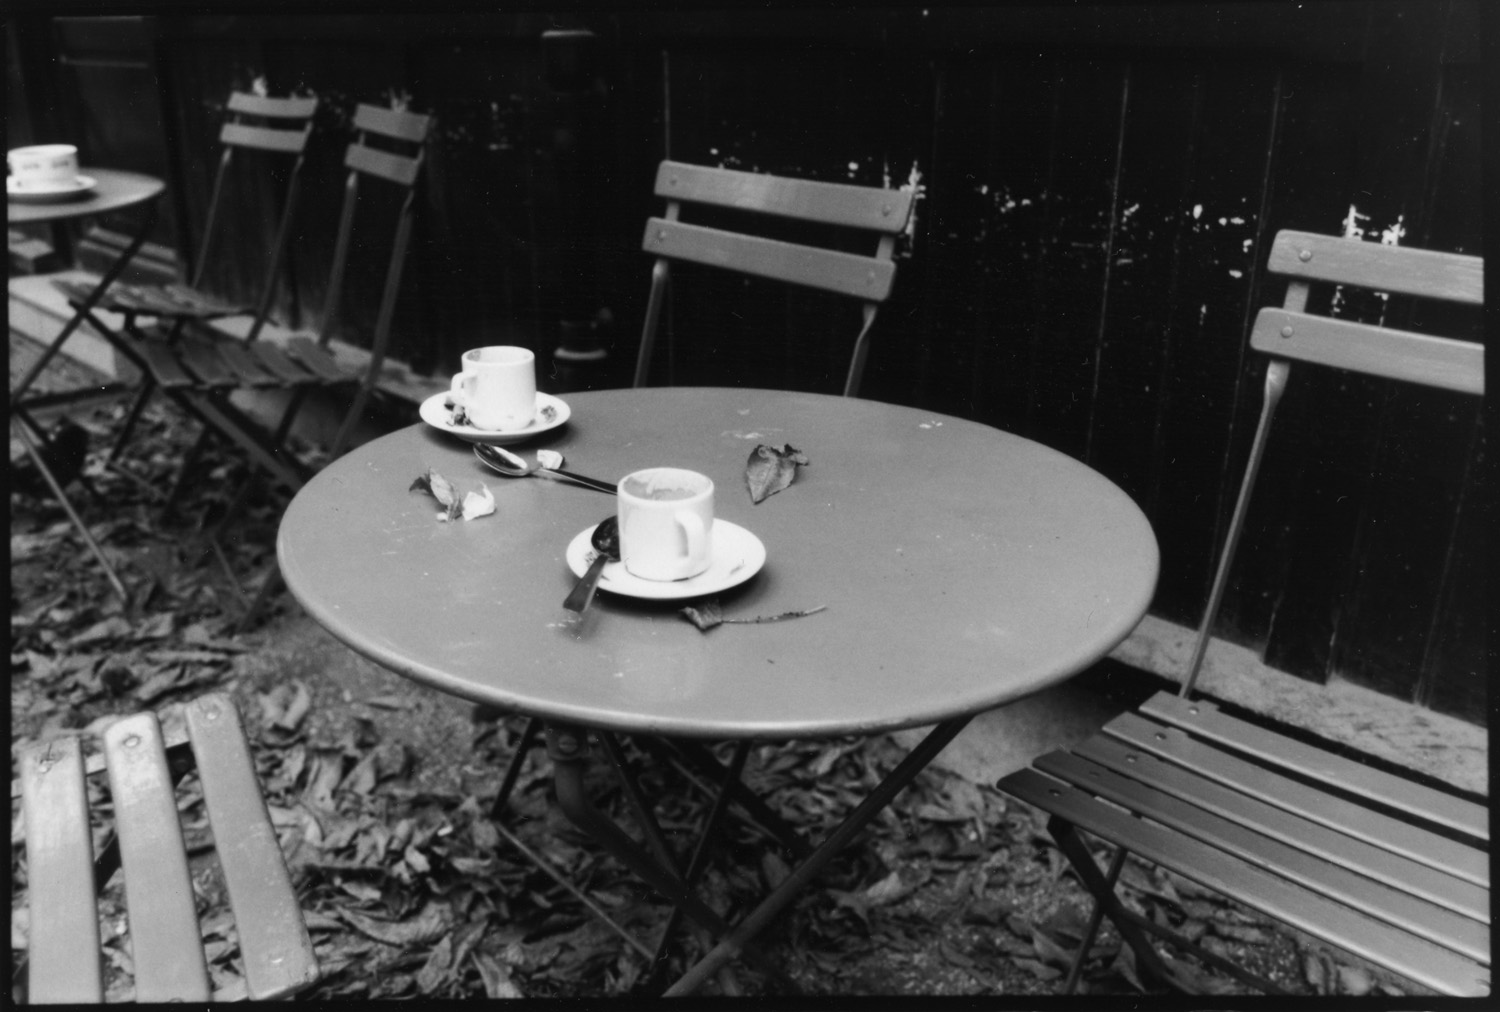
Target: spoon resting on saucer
(606,541)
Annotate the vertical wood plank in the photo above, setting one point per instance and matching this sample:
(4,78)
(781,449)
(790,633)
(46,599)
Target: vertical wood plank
(1079,194)
(165,945)
(1206,329)
(64,963)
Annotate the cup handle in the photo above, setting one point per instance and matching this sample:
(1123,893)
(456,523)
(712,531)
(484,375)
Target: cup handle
(697,537)
(459,388)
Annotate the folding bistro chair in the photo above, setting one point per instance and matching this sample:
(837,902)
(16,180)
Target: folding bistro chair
(276,127)
(862,208)
(201,375)
(1389,870)
(145,843)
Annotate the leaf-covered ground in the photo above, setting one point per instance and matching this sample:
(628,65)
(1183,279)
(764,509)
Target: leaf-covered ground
(381,792)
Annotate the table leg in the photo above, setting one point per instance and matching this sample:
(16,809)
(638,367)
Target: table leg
(115,270)
(735,943)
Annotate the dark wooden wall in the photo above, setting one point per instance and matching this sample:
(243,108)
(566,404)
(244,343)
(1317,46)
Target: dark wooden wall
(1100,186)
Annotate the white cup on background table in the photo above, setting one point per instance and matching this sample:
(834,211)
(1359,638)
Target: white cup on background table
(43,166)
(497,387)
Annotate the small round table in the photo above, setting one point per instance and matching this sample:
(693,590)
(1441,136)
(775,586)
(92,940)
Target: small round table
(960,568)
(113,190)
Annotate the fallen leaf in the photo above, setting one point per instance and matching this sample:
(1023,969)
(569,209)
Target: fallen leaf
(427,927)
(769,470)
(496,977)
(441,489)
(479,504)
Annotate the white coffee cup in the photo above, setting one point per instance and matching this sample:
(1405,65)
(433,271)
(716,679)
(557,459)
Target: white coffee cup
(43,166)
(666,523)
(497,388)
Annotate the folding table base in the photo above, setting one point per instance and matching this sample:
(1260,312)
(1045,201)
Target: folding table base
(653,863)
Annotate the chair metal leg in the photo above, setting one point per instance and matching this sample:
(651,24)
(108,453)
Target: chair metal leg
(1096,917)
(62,497)
(148,387)
(1103,890)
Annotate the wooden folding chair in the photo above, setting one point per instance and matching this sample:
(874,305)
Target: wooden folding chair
(145,843)
(1394,872)
(863,208)
(278,129)
(200,375)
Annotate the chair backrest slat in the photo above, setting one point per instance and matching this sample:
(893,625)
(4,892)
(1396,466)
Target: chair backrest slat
(393,167)
(276,962)
(241,135)
(1430,274)
(1376,351)
(165,942)
(806,200)
(831,270)
(397,123)
(291,107)
(63,947)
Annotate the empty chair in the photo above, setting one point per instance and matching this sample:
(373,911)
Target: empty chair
(200,375)
(277,129)
(1390,870)
(878,213)
(145,843)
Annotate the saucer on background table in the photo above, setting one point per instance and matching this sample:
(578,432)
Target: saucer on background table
(550,413)
(737,556)
(80,186)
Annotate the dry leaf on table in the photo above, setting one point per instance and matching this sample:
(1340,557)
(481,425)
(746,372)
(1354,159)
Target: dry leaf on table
(769,470)
(468,506)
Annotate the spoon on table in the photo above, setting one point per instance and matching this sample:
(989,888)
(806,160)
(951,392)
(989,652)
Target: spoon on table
(606,542)
(513,466)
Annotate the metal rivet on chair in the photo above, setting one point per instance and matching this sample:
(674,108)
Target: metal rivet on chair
(1160,736)
(132,741)
(1193,710)
(1287,331)
(1305,255)
(661,235)
(210,711)
(885,210)
(1132,757)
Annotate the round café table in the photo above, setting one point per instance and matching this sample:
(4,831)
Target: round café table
(959,568)
(113,191)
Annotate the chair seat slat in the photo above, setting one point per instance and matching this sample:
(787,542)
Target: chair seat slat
(1205,720)
(862,277)
(201,357)
(1338,813)
(60,877)
(317,360)
(278,955)
(1359,856)
(1428,964)
(248,371)
(275,361)
(165,942)
(161,362)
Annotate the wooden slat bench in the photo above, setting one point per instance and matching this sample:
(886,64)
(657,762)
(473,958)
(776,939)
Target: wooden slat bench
(64,876)
(1390,870)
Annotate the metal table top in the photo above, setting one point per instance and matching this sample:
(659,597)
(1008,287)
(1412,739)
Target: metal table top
(961,567)
(114,190)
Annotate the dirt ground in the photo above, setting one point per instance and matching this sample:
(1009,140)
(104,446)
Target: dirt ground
(381,791)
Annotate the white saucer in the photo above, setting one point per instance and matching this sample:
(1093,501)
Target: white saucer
(550,413)
(49,194)
(738,555)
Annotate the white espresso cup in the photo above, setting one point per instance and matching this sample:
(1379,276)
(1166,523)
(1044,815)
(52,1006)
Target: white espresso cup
(43,166)
(497,388)
(666,523)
